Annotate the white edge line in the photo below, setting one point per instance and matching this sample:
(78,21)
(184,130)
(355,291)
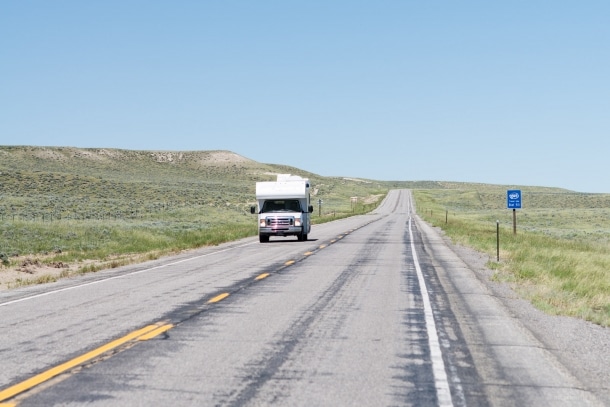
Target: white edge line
(117,277)
(443,391)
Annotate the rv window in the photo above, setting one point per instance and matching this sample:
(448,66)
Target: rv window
(287,205)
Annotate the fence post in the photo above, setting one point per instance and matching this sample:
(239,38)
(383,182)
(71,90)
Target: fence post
(498,240)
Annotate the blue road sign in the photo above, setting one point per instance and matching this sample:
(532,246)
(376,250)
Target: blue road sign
(513,199)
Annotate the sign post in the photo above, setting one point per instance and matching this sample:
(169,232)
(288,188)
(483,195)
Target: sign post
(513,201)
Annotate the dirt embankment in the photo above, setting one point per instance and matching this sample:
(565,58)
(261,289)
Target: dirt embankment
(32,270)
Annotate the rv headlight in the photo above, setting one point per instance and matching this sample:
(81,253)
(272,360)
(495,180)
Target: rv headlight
(297,222)
(263,222)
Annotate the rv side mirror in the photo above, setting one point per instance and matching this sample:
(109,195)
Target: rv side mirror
(310,209)
(253,209)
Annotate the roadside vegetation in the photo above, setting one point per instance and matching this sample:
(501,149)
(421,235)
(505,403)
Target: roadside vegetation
(83,210)
(559,258)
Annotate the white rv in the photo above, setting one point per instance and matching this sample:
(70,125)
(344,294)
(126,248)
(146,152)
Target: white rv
(283,207)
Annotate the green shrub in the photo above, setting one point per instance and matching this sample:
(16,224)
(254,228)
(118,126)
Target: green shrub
(4,259)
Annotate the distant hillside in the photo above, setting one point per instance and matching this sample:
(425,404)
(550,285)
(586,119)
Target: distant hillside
(171,166)
(128,165)
(100,183)
(85,183)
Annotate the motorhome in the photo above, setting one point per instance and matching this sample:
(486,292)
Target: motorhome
(283,207)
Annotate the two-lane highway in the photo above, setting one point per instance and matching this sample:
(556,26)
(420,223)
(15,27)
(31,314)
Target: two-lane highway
(373,310)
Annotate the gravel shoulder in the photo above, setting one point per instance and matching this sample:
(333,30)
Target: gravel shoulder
(29,270)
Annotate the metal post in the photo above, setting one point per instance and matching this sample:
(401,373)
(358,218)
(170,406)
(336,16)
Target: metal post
(514,221)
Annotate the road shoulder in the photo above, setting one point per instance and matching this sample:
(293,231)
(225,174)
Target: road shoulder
(581,347)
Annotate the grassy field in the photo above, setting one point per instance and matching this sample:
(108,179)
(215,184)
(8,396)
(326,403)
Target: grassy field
(559,258)
(72,206)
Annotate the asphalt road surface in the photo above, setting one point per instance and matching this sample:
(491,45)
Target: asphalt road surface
(374,310)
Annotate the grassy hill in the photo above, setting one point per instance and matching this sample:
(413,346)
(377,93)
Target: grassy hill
(80,184)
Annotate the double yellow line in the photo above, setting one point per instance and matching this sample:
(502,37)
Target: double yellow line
(142,334)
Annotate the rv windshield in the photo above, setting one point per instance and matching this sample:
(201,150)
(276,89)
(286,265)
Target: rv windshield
(284,205)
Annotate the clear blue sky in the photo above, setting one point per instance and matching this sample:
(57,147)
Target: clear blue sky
(501,92)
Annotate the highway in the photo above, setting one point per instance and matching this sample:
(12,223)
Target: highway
(373,310)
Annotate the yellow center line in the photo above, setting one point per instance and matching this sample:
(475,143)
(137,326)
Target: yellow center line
(307,253)
(57,370)
(322,246)
(289,262)
(218,298)
(264,275)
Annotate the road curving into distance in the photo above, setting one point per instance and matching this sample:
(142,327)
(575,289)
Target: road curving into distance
(373,310)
